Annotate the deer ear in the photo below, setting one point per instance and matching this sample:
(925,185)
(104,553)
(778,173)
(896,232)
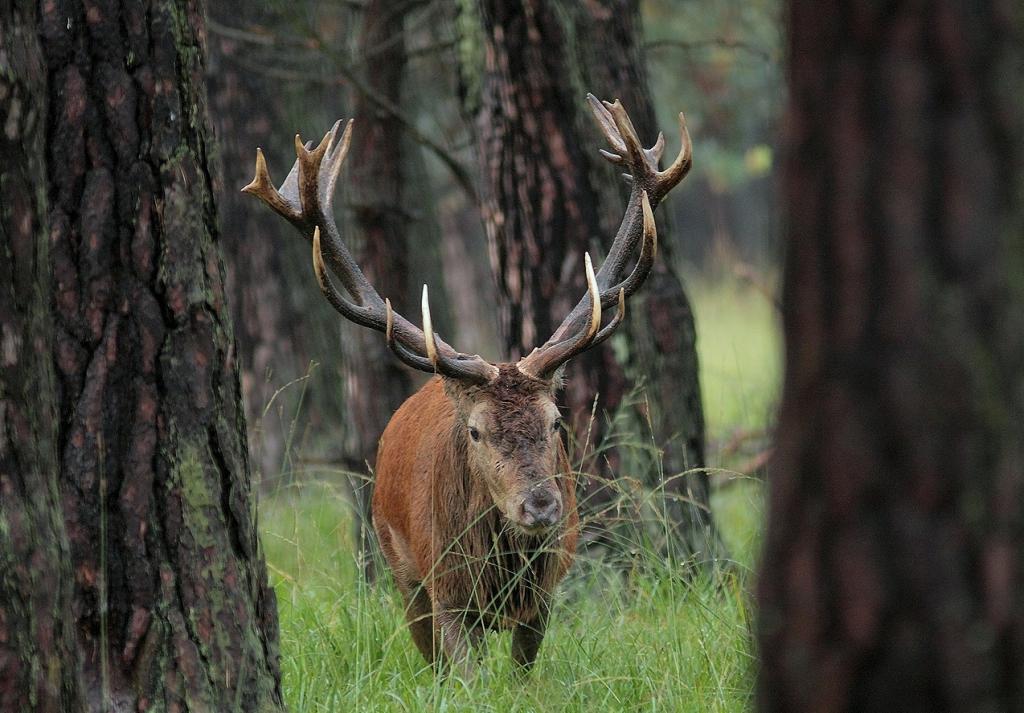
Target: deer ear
(458,392)
(558,380)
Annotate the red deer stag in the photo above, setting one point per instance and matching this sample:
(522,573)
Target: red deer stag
(474,501)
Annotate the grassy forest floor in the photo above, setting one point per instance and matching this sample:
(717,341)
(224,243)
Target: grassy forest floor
(641,640)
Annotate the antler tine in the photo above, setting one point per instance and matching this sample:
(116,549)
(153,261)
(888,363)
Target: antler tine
(359,314)
(658,149)
(305,199)
(407,357)
(263,188)
(447,362)
(684,159)
(545,361)
(428,329)
(607,126)
(648,187)
(336,153)
(609,329)
(314,200)
(634,149)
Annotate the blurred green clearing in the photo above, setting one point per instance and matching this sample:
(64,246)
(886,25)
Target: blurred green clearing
(643,640)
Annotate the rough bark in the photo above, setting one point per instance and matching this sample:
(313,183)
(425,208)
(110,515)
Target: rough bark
(539,207)
(546,200)
(660,339)
(892,575)
(171,602)
(38,658)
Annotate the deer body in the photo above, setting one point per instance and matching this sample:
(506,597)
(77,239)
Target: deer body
(474,502)
(459,565)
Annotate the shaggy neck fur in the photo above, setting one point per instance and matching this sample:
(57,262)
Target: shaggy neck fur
(510,572)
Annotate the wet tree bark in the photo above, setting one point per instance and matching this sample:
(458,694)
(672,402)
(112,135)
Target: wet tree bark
(38,658)
(171,603)
(892,575)
(375,382)
(540,212)
(661,339)
(546,200)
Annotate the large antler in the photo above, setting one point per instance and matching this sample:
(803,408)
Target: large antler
(306,200)
(581,330)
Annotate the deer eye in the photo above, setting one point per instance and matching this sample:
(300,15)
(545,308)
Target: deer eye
(557,425)
(474,434)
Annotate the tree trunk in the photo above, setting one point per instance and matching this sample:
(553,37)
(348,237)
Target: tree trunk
(540,210)
(171,602)
(545,201)
(375,382)
(661,339)
(892,576)
(279,326)
(38,659)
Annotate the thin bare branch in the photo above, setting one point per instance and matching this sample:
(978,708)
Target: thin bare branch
(346,73)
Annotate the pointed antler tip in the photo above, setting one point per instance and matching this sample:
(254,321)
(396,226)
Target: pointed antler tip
(261,180)
(321,149)
(595,296)
(650,227)
(428,329)
(318,259)
(389,322)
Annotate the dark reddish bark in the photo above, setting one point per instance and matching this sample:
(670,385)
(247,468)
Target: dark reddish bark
(171,602)
(892,576)
(38,659)
(539,206)
(661,338)
(547,200)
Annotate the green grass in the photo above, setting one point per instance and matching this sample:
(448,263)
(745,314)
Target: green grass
(646,640)
(740,351)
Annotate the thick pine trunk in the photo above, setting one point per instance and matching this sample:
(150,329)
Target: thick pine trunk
(38,658)
(375,382)
(171,601)
(892,577)
(546,200)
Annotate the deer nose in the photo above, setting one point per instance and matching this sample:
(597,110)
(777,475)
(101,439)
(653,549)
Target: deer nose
(541,509)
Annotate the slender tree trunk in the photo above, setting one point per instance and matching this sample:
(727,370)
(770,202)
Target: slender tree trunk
(892,578)
(38,658)
(171,602)
(546,200)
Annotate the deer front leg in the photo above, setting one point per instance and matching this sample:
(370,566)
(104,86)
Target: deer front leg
(527,637)
(451,639)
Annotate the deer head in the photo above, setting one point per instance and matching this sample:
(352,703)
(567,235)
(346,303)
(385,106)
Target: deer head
(508,421)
